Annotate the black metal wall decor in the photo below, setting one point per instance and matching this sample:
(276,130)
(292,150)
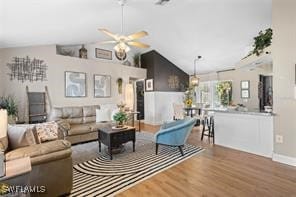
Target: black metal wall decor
(27,69)
(174,82)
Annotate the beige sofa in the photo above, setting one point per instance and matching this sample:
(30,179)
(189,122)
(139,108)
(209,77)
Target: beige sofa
(78,123)
(51,164)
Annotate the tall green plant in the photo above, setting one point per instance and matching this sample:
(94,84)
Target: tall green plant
(9,104)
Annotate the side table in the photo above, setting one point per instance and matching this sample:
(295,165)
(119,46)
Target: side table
(115,138)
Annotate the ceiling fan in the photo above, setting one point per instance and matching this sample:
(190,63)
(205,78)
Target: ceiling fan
(123,42)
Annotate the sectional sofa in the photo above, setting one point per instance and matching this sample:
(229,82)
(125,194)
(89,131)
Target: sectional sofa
(51,162)
(78,123)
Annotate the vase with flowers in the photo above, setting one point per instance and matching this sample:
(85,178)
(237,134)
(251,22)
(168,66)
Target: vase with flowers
(121,106)
(189,97)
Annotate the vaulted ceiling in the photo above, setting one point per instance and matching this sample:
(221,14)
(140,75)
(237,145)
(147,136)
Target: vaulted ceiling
(221,31)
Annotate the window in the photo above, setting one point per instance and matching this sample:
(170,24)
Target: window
(214,93)
(224,91)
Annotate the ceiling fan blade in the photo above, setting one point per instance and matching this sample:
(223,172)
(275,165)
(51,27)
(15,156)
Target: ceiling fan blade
(108,42)
(138,44)
(137,35)
(107,32)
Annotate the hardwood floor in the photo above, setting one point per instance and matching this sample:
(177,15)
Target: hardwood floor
(219,171)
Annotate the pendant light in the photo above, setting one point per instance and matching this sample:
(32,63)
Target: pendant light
(194,79)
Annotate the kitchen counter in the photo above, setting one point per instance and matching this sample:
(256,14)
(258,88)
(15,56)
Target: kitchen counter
(249,112)
(249,131)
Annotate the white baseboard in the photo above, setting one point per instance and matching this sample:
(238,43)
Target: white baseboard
(152,123)
(284,159)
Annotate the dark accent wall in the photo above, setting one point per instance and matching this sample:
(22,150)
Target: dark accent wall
(166,75)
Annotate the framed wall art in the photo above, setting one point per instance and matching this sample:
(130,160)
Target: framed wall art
(245,94)
(149,86)
(245,84)
(102,86)
(103,54)
(245,89)
(75,84)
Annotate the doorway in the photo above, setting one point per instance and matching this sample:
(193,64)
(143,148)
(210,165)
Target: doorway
(140,85)
(265,91)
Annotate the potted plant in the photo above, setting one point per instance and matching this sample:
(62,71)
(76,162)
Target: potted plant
(262,41)
(120,117)
(10,105)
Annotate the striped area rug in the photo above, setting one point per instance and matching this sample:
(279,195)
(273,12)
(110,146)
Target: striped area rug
(105,177)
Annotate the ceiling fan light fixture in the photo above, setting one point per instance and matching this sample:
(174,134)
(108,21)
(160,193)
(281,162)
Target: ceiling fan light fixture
(123,42)
(121,47)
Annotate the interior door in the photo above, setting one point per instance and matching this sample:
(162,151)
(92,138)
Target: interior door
(140,98)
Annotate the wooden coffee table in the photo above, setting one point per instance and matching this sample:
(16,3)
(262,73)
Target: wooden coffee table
(115,138)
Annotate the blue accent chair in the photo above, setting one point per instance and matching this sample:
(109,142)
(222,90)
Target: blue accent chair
(174,133)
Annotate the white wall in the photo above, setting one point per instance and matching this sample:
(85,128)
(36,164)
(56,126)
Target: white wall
(284,60)
(159,106)
(57,65)
(236,76)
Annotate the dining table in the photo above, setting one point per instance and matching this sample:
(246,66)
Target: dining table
(190,112)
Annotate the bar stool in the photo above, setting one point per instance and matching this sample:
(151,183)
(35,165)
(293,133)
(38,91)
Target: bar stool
(208,122)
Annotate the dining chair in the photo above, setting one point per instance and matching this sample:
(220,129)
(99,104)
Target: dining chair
(178,111)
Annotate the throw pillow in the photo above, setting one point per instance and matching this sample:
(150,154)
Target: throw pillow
(47,131)
(63,128)
(102,115)
(20,136)
(3,143)
(64,124)
(34,131)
